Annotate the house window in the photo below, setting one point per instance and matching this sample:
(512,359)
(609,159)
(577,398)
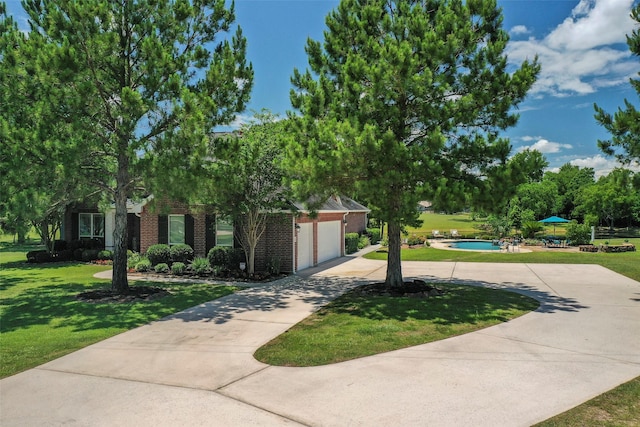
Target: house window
(224,233)
(91,225)
(176,229)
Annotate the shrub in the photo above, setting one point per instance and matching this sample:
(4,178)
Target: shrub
(226,257)
(181,253)
(161,268)
(90,254)
(351,242)
(530,228)
(273,265)
(414,240)
(143,265)
(43,256)
(65,255)
(160,253)
(77,254)
(374,235)
(363,242)
(105,254)
(178,268)
(385,241)
(236,256)
(578,234)
(200,266)
(218,256)
(133,259)
(32,255)
(59,245)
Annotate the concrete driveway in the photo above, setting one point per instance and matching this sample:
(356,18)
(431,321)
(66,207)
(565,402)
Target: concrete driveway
(196,367)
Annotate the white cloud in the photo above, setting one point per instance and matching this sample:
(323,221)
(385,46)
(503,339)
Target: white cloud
(544,146)
(519,29)
(585,52)
(602,165)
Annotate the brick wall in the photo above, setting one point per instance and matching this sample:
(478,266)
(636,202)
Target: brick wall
(356,222)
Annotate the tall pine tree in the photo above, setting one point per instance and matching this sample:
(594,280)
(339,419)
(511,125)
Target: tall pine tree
(624,125)
(142,83)
(404,101)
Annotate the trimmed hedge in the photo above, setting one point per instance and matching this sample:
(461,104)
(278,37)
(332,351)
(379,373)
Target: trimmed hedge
(351,241)
(181,253)
(159,253)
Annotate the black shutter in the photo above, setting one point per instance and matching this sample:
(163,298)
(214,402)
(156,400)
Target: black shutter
(210,231)
(163,229)
(189,237)
(75,226)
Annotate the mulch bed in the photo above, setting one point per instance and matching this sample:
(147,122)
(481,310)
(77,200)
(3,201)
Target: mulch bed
(414,289)
(135,294)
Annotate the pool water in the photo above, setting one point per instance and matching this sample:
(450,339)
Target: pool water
(475,245)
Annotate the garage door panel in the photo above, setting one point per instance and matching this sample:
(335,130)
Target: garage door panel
(305,246)
(329,240)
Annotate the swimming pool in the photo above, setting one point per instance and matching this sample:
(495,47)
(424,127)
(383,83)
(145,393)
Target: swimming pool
(475,245)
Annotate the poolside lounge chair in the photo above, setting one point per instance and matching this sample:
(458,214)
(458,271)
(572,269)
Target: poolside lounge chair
(454,234)
(436,234)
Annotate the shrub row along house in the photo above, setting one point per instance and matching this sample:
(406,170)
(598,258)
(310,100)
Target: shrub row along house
(294,238)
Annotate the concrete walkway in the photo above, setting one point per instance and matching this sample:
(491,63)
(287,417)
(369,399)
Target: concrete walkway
(196,367)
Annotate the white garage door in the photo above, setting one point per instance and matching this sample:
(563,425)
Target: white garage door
(329,240)
(305,246)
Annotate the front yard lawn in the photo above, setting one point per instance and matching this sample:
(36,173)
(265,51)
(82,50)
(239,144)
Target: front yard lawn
(42,320)
(355,326)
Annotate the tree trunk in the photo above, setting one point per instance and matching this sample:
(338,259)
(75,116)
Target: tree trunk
(119,283)
(251,259)
(394,266)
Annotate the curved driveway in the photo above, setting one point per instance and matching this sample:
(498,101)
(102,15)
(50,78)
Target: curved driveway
(196,367)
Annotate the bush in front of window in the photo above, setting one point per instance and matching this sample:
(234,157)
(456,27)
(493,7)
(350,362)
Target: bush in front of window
(219,256)
(105,255)
(143,265)
(159,253)
(161,268)
(181,253)
(90,255)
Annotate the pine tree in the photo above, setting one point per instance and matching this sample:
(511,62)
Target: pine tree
(404,101)
(624,125)
(141,83)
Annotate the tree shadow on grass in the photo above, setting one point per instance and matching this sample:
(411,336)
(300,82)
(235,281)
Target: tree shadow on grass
(57,306)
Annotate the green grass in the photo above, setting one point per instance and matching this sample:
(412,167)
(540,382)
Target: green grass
(626,263)
(619,407)
(42,320)
(445,223)
(355,326)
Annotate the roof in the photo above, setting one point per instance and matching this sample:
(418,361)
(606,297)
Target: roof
(332,204)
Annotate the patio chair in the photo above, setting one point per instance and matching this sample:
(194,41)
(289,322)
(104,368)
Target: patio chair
(436,234)
(454,234)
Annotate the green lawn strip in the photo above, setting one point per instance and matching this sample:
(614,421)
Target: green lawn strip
(42,320)
(356,326)
(619,407)
(625,263)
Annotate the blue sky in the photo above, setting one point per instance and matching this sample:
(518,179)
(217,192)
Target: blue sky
(581,46)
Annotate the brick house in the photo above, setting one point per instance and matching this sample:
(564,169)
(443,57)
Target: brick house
(293,237)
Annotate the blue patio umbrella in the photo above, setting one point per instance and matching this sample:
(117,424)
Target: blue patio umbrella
(554,220)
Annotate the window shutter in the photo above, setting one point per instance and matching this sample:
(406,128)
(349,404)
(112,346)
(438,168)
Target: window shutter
(75,226)
(210,231)
(189,237)
(163,229)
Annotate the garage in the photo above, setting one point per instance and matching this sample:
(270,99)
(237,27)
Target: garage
(329,240)
(305,246)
